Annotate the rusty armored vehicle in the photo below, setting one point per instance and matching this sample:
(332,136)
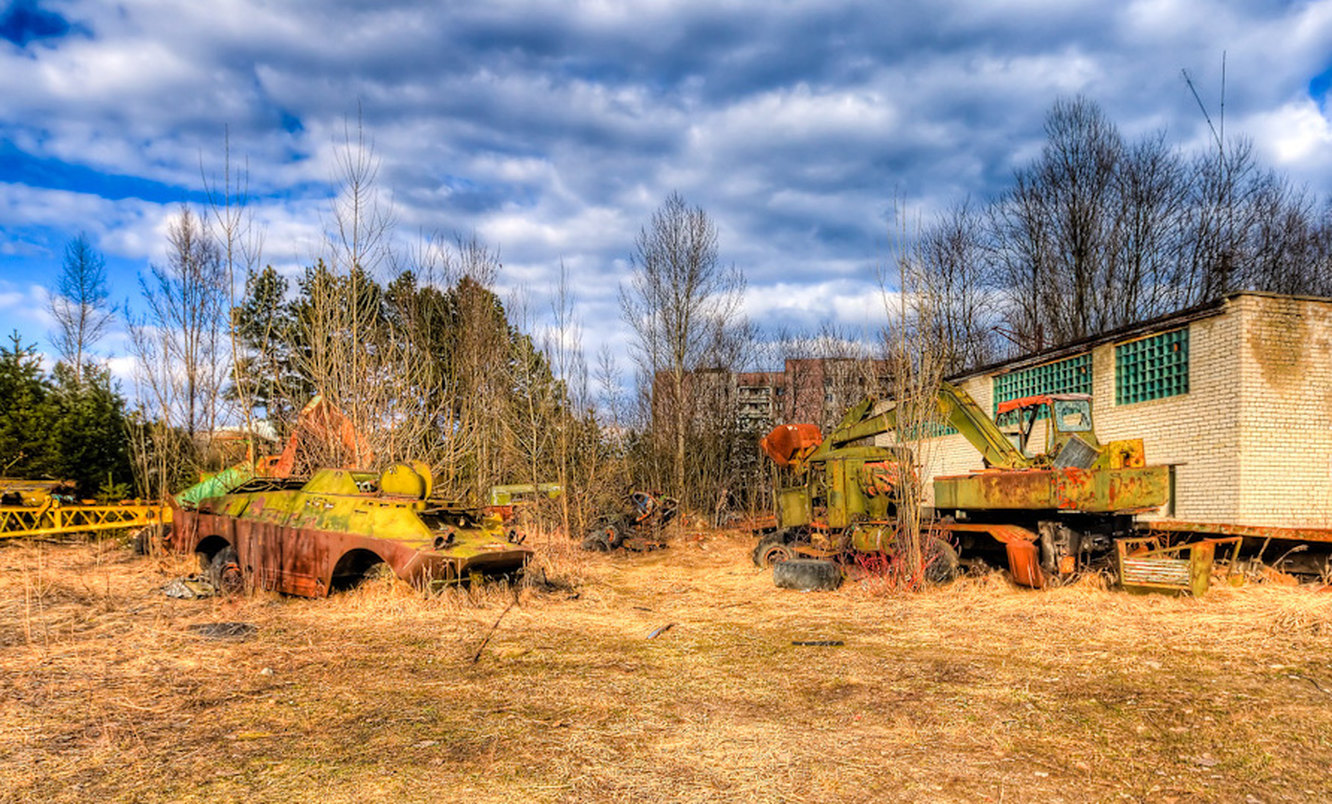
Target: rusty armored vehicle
(326,533)
(1052,498)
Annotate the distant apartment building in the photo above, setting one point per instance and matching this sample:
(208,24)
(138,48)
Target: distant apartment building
(814,389)
(1235,396)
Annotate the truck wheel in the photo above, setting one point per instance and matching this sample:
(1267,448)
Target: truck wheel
(941,561)
(225,572)
(806,574)
(772,549)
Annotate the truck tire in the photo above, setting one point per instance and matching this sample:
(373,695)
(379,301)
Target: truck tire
(941,561)
(773,548)
(806,574)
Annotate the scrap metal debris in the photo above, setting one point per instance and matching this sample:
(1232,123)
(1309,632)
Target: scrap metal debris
(638,526)
(189,588)
(656,632)
(232,630)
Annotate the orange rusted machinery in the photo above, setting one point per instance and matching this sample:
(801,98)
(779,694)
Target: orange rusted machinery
(318,422)
(1052,509)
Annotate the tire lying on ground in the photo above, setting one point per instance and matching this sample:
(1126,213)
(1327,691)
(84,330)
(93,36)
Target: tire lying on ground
(225,574)
(806,574)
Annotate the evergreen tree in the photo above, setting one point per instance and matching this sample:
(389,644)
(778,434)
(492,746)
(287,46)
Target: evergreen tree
(69,426)
(85,430)
(23,392)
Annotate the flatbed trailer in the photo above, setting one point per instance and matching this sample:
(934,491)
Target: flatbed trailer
(1255,532)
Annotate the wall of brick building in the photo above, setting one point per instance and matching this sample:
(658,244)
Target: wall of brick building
(1196,433)
(1286,412)
(1250,443)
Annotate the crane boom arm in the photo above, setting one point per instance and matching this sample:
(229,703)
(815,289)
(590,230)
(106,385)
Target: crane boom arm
(955,407)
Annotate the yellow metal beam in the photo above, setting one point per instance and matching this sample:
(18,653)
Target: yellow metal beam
(51,518)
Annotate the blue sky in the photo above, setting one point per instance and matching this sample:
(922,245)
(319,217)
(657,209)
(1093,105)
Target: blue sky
(553,129)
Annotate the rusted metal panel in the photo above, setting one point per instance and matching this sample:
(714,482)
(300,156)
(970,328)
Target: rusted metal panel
(1083,490)
(840,494)
(1145,565)
(1001,533)
(1024,564)
(1024,557)
(789,443)
(298,541)
(301,560)
(795,506)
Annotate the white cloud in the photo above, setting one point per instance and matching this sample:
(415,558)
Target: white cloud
(25,305)
(552,130)
(1296,136)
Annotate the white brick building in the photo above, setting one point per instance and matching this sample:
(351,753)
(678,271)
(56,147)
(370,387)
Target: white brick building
(1235,396)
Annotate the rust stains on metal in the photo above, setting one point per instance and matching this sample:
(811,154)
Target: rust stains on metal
(309,539)
(1146,565)
(1071,489)
(1024,563)
(1323,535)
(790,443)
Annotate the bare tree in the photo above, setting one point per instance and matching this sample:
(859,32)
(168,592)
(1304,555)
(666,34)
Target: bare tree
(1097,233)
(1152,193)
(564,351)
(952,305)
(678,301)
(917,357)
(1056,229)
(180,356)
(186,301)
(241,245)
(79,303)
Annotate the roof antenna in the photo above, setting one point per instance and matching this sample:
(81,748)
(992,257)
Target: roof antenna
(1218,136)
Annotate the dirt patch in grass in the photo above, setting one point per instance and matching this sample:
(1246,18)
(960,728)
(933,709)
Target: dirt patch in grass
(977,691)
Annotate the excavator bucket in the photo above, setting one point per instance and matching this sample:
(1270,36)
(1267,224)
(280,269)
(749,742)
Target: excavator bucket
(791,442)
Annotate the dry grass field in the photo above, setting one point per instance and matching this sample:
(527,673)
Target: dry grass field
(975,692)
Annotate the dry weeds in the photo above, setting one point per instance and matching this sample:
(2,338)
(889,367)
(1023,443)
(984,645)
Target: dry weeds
(979,691)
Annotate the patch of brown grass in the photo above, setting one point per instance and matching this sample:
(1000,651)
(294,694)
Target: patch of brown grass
(976,691)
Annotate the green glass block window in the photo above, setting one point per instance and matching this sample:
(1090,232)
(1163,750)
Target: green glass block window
(926,430)
(1152,368)
(1072,375)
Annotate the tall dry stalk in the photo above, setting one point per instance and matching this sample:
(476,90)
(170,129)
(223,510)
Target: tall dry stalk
(241,247)
(917,356)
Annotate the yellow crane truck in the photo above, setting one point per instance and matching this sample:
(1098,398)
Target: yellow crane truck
(1051,507)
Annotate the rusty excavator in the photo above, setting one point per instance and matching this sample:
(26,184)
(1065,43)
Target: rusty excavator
(1051,497)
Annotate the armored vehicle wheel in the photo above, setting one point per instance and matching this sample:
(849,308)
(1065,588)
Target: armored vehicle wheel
(225,572)
(773,549)
(806,574)
(941,561)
